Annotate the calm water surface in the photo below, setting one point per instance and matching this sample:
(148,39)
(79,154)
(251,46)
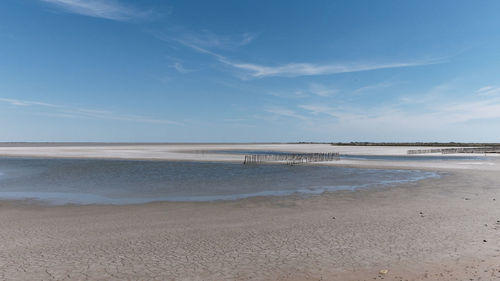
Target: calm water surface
(63,181)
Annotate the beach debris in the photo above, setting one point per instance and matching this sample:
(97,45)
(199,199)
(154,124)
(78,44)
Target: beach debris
(383,271)
(485,241)
(466,198)
(333,218)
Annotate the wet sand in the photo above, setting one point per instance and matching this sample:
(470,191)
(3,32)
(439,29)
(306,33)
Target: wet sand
(436,229)
(338,236)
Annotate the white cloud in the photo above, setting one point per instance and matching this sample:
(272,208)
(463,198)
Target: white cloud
(318,109)
(439,92)
(296,69)
(321,90)
(25,103)
(381,85)
(109,115)
(438,116)
(284,112)
(314,89)
(488,91)
(106,9)
(309,69)
(484,89)
(180,67)
(71,112)
(395,124)
(203,40)
(247,37)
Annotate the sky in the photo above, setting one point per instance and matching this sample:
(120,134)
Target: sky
(249,71)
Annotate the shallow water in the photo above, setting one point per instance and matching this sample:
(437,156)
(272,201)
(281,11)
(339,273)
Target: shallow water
(87,181)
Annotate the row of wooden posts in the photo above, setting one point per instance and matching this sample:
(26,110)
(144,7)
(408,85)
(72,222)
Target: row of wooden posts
(291,158)
(456,150)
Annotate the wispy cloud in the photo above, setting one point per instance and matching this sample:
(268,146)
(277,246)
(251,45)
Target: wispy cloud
(25,103)
(314,89)
(284,112)
(381,85)
(310,69)
(180,67)
(247,37)
(75,112)
(110,115)
(316,110)
(437,115)
(438,92)
(207,39)
(293,94)
(296,69)
(106,9)
(488,91)
(322,90)
(202,41)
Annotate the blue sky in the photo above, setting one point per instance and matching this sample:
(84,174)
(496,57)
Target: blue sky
(223,71)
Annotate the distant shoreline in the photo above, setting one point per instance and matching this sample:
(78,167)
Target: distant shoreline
(422,144)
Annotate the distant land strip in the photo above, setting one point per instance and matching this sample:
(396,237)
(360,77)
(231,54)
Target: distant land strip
(430,144)
(453,144)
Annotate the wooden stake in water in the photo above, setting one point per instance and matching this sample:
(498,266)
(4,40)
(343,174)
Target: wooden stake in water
(290,158)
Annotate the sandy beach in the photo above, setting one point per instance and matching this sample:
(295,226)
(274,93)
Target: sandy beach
(435,229)
(249,140)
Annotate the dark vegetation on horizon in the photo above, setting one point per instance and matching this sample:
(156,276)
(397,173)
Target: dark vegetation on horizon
(439,144)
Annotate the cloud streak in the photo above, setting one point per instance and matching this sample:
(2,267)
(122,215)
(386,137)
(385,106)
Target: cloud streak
(25,103)
(488,91)
(207,39)
(314,90)
(204,40)
(284,112)
(180,67)
(298,69)
(106,9)
(310,69)
(70,112)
